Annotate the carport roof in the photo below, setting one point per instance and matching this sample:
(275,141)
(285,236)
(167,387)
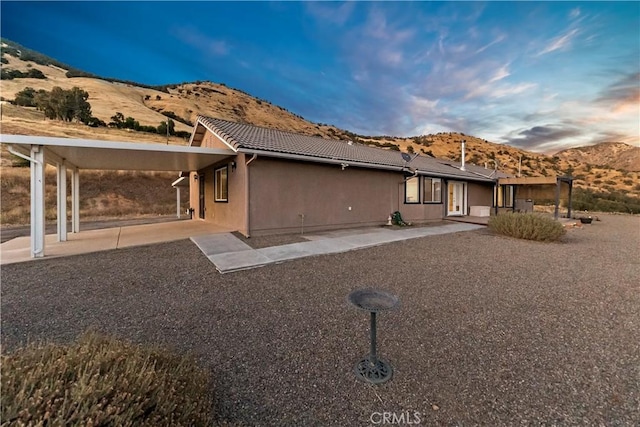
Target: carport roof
(114,155)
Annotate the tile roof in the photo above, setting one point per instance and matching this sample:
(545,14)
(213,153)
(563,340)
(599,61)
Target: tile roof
(244,137)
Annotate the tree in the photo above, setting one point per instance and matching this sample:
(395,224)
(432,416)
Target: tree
(25,97)
(117,120)
(162,127)
(67,105)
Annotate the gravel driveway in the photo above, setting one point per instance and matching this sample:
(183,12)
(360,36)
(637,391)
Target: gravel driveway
(491,330)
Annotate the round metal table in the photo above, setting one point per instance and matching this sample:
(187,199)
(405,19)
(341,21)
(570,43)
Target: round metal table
(373,369)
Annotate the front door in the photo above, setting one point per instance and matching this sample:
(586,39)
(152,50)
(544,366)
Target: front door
(456,204)
(201,196)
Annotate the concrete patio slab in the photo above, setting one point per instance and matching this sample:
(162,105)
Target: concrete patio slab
(19,248)
(230,254)
(214,244)
(235,261)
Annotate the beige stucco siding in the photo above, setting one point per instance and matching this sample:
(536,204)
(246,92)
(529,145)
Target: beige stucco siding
(282,192)
(209,140)
(286,195)
(479,194)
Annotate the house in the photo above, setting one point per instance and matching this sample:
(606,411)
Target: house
(282,182)
(265,181)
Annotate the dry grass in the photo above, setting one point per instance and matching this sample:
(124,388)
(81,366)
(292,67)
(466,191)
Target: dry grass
(217,100)
(103,195)
(102,381)
(529,226)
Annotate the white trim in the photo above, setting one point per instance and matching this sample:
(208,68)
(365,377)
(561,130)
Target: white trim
(37,201)
(224,141)
(97,143)
(61,217)
(216,182)
(75,200)
(463,202)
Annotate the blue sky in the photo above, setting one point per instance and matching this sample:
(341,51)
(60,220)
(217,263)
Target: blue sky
(536,75)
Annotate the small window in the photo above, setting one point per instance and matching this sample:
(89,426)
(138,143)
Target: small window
(505,196)
(412,190)
(221,185)
(432,190)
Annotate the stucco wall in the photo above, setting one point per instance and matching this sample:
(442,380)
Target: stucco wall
(281,192)
(479,194)
(287,195)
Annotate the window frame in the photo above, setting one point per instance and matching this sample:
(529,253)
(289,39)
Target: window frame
(406,182)
(424,187)
(505,190)
(216,181)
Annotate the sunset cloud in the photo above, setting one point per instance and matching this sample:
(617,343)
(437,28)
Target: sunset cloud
(539,75)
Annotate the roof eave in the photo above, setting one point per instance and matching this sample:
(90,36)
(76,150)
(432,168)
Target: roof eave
(305,158)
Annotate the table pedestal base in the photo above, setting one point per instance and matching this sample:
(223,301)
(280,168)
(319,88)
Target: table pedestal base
(376,373)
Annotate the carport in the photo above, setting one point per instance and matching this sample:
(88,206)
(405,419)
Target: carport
(76,154)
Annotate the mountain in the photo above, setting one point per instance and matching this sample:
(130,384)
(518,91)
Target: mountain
(614,170)
(616,155)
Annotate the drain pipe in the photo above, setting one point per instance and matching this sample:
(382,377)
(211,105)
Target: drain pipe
(246,195)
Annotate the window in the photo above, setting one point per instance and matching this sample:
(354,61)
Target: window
(412,190)
(220,185)
(432,190)
(505,196)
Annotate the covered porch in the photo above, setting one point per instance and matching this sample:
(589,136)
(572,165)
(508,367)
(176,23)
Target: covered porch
(76,154)
(527,189)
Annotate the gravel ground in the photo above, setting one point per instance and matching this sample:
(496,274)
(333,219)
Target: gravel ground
(491,330)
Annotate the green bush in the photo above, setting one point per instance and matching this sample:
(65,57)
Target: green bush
(102,381)
(530,226)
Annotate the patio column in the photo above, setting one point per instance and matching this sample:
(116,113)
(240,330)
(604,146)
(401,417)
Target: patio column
(61,178)
(178,201)
(75,200)
(37,201)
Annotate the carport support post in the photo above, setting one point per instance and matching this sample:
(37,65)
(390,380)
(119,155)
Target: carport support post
(61,177)
(37,201)
(75,200)
(178,201)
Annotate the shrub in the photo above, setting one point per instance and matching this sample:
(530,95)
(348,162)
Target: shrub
(529,226)
(599,201)
(102,381)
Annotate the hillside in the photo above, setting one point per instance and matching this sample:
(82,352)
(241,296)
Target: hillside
(592,167)
(616,155)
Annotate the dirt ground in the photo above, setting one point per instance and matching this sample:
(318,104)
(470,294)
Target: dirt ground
(490,330)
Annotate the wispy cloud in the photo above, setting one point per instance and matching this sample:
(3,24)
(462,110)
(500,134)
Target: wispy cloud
(497,40)
(559,42)
(328,12)
(574,13)
(201,41)
(623,95)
